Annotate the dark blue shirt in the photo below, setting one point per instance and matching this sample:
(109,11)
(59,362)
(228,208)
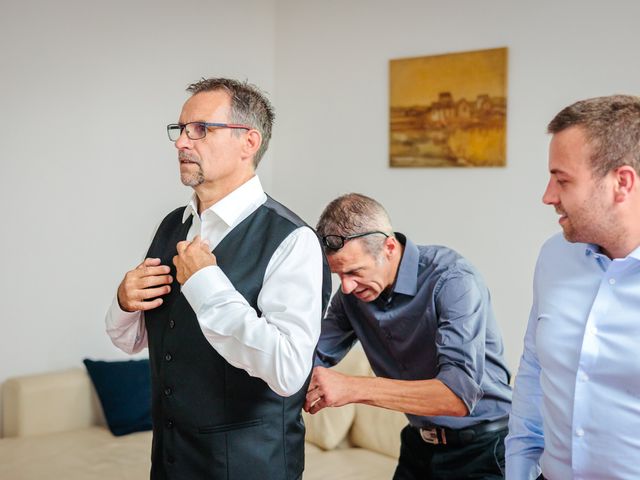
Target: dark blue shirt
(436,322)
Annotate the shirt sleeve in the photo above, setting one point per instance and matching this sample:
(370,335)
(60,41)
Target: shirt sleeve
(126,329)
(462,307)
(525,442)
(277,346)
(337,336)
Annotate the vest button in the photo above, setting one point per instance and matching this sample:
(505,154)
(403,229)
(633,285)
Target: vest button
(167,391)
(171,460)
(172,323)
(168,357)
(169,424)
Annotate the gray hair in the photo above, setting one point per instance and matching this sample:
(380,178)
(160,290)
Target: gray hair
(355,213)
(249,106)
(612,128)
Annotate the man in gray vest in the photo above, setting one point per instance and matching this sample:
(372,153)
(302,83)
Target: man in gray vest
(228,300)
(424,318)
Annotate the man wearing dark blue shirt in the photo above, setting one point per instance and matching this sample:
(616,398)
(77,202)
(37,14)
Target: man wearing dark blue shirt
(424,318)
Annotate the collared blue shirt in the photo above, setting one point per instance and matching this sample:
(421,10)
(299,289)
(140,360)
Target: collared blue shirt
(437,322)
(576,409)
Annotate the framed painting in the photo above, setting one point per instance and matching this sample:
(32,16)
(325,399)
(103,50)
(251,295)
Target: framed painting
(449,110)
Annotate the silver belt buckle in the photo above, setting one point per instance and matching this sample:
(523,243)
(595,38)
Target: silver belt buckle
(430,435)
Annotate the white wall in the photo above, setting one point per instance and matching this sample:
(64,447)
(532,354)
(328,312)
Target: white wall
(87,171)
(332,94)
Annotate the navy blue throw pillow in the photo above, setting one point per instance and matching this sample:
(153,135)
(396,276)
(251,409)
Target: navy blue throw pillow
(124,389)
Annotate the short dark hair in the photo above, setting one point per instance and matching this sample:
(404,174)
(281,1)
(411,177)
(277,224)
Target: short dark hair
(355,213)
(249,105)
(612,127)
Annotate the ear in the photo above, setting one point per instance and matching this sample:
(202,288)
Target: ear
(252,142)
(390,246)
(625,182)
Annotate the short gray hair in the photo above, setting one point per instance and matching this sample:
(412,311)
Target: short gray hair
(612,128)
(355,213)
(249,106)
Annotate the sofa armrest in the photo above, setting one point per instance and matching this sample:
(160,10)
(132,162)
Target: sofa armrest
(48,403)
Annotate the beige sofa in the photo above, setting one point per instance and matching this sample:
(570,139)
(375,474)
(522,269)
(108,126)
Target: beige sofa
(54,428)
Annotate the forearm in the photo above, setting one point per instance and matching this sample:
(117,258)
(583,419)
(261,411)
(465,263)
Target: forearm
(417,397)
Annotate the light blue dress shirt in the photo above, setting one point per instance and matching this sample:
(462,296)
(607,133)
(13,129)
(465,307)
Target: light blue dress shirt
(576,403)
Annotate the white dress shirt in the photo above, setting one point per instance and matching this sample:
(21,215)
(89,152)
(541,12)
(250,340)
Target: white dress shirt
(277,346)
(576,402)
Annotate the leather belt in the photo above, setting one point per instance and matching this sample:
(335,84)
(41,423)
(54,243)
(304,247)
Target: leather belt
(448,436)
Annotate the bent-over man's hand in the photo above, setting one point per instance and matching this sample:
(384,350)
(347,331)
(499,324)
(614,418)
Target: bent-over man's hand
(192,256)
(142,287)
(328,388)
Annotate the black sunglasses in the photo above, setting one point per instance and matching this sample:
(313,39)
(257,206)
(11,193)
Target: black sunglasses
(336,242)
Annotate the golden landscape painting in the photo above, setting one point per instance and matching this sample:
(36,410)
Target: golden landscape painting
(449,110)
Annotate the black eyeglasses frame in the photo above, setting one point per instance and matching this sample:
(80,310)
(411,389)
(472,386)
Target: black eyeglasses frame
(182,127)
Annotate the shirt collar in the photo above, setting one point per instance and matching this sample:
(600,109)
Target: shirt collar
(231,208)
(635,254)
(595,250)
(191,208)
(407,278)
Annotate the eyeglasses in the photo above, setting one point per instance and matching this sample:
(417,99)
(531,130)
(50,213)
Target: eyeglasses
(197,130)
(336,242)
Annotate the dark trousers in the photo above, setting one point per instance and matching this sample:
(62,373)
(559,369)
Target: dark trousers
(483,458)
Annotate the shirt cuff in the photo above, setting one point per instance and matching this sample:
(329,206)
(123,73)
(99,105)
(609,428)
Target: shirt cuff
(521,468)
(118,318)
(462,385)
(199,287)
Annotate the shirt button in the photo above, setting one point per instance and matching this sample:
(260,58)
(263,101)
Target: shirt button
(172,323)
(168,357)
(583,376)
(580,432)
(167,391)
(612,281)
(593,329)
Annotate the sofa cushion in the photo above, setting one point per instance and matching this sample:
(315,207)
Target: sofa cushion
(378,429)
(85,454)
(327,428)
(124,390)
(347,464)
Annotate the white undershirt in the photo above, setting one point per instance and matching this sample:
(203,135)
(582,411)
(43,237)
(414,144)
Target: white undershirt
(277,346)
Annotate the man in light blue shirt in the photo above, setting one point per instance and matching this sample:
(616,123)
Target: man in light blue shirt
(576,403)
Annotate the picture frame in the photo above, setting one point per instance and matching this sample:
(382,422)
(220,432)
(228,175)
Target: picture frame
(449,110)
